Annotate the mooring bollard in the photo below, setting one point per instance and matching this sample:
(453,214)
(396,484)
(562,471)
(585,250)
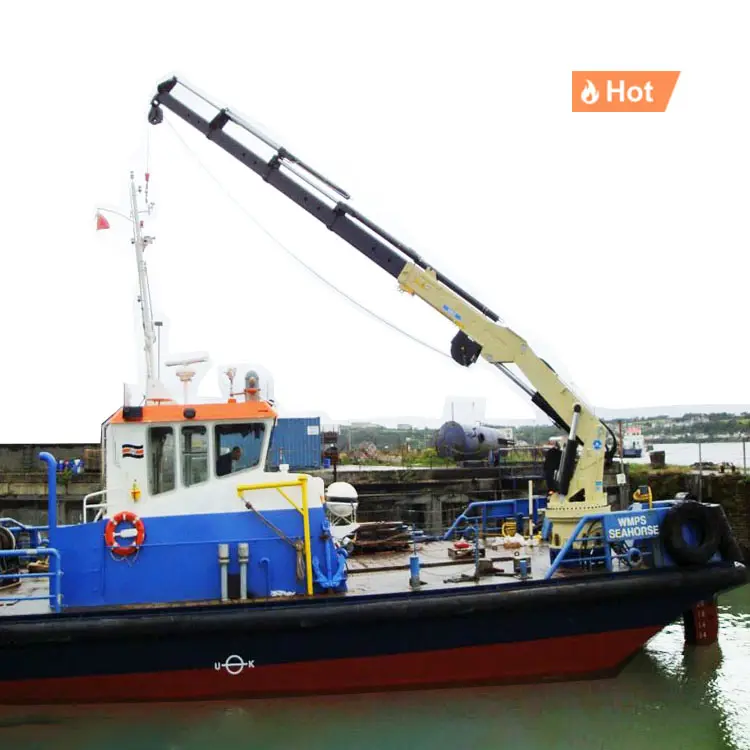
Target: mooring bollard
(414,581)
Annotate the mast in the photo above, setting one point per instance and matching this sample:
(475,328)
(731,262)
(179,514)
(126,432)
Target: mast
(144,297)
(155,391)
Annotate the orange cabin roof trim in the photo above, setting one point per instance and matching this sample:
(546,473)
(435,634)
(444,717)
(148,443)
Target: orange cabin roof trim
(203,412)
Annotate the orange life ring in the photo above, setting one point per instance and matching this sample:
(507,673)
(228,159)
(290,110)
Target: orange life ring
(114,522)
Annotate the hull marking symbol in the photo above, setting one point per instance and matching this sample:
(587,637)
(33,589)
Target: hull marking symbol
(234,664)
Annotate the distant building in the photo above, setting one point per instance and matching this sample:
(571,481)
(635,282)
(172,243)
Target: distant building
(403,427)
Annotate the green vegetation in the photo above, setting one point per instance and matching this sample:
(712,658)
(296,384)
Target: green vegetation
(535,434)
(688,428)
(427,457)
(371,444)
(665,482)
(358,438)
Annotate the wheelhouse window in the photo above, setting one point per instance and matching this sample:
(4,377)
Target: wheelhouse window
(238,447)
(162,453)
(194,455)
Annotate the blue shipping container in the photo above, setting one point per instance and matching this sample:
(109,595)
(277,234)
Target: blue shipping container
(296,441)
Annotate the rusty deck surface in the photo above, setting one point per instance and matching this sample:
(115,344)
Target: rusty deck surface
(388,572)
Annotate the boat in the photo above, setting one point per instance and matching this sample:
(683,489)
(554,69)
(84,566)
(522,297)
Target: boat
(196,574)
(633,443)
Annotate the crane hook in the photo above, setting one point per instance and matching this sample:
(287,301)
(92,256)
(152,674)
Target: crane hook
(155,114)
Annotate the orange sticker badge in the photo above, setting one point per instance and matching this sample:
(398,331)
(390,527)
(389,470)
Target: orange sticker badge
(623,91)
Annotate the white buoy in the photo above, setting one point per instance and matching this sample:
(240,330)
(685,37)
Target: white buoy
(342,502)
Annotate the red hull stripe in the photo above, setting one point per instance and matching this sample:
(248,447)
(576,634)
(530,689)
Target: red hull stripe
(570,657)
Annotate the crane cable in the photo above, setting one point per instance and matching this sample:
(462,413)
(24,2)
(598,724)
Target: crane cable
(293,255)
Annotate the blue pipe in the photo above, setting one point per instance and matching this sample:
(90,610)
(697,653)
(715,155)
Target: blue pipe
(49,459)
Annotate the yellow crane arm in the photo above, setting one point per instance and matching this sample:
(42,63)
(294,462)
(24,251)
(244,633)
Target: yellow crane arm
(500,346)
(577,488)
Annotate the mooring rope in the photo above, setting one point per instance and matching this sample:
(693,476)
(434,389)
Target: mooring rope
(298,546)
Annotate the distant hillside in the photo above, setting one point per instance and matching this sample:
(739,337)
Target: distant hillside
(681,424)
(606,414)
(672,411)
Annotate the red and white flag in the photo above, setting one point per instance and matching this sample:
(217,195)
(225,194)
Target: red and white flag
(101,222)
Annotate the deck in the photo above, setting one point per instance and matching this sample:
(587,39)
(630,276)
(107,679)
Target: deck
(369,574)
(388,572)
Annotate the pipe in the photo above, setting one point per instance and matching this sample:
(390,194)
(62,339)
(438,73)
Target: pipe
(306,530)
(243,553)
(224,570)
(266,563)
(49,459)
(55,570)
(531,509)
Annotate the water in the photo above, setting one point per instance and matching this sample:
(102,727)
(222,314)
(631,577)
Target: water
(685,454)
(668,698)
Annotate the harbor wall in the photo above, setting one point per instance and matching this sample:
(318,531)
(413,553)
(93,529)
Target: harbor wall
(730,490)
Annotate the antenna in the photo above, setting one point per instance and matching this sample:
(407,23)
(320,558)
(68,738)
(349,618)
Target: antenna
(231,372)
(185,374)
(155,391)
(144,297)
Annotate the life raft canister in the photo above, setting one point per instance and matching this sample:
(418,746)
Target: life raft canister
(704,524)
(111,529)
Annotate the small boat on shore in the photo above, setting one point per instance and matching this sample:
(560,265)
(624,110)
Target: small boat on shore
(633,443)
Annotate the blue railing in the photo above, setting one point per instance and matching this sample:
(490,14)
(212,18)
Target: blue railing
(572,539)
(34,532)
(485,510)
(609,552)
(54,596)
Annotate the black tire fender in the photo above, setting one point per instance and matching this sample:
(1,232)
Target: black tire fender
(703,520)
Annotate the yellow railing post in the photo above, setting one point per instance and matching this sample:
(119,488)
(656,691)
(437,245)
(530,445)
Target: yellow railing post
(300,482)
(648,496)
(306,526)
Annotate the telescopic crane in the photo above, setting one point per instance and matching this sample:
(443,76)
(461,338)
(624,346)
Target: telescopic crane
(577,485)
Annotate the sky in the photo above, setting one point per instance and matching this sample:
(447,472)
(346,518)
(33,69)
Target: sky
(615,244)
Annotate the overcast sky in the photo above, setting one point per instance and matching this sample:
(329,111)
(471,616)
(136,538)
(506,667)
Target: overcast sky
(616,244)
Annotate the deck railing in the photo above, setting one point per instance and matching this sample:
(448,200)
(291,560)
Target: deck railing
(34,532)
(301,482)
(609,551)
(54,596)
(101,507)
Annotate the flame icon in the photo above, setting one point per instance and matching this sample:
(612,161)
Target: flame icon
(589,95)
